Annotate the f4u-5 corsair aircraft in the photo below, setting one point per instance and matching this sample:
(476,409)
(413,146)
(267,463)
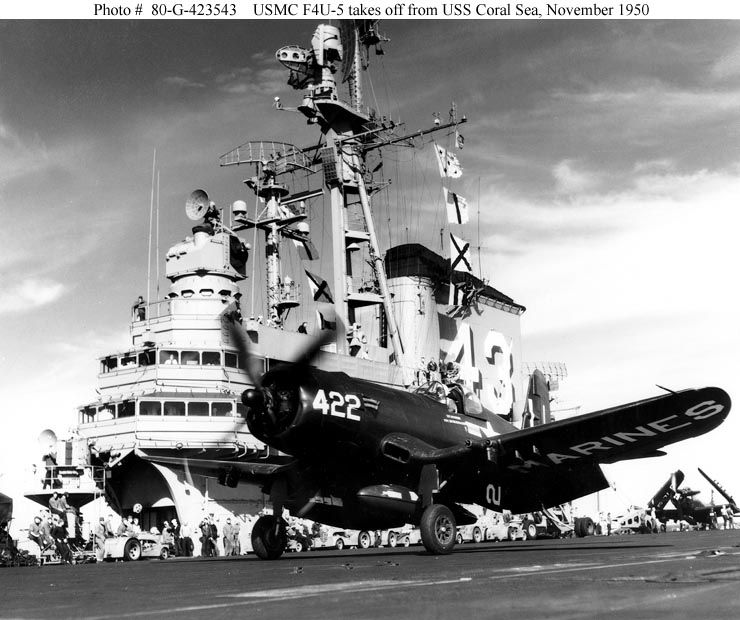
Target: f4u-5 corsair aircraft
(366,456)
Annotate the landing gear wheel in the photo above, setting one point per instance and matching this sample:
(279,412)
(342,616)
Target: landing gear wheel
(269,537)
(132,550)
(392,539)
(588,526)
(438,529)
(477,535)
(363,540)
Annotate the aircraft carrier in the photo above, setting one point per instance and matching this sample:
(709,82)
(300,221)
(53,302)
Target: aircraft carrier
(401,315)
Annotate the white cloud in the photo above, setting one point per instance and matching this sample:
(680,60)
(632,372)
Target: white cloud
(29,294)
(727,66)
(569,180)
(182,82)
(664,245)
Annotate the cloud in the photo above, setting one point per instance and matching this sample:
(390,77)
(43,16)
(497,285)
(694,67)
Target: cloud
(182,82)
(568,180)
(728,66)
(663,248)
(29,294)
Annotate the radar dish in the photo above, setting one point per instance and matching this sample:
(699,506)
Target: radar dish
(47,441)
(197,205)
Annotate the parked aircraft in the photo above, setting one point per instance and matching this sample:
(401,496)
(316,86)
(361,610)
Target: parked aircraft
(686,506)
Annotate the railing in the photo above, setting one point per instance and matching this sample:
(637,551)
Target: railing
(72,478)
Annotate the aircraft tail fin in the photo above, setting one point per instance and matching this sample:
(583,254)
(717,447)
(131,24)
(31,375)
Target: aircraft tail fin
(664,495)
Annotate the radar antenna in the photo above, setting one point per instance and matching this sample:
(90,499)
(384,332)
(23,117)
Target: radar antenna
(197,206)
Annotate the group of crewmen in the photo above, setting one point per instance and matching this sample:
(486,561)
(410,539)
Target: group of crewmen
(209,537)
(50,531)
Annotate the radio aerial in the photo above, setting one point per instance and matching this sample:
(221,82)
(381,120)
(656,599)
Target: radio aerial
(197,205)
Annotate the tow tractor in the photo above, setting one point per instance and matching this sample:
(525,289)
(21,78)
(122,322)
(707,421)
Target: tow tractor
(135,547)
(552,523)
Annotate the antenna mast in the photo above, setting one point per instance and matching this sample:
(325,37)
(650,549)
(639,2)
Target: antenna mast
(349,134)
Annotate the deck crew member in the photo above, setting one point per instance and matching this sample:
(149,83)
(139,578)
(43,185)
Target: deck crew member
(228,534)
(35,533)
(100,534)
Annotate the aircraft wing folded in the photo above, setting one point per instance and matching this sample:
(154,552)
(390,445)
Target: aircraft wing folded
(635,430)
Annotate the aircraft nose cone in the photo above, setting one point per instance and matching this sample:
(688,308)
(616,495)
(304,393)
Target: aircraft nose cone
(252,398)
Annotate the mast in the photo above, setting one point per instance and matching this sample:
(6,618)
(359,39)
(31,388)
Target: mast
(349,133)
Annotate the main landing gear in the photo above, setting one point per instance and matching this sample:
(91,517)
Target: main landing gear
(438,529)
(269,537)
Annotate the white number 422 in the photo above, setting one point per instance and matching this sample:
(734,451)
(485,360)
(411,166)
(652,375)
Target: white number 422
(337,404)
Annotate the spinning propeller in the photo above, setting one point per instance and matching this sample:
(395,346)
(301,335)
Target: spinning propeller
(273,401)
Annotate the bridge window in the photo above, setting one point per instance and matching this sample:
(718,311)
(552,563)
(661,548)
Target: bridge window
(87,414)
(211,358)
(128,360)
(126,409)
(147,358)
(174,407)
(222,408)
(206,292)
(109,364)
(197,408)
(169,357)
(232,360)
(150,407)
(191,358)
(106,412)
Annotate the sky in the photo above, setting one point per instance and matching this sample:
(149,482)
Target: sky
(602,155)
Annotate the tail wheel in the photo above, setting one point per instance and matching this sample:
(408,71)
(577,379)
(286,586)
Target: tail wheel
(269,537)
(392,539)
(477,535)
(363,540)
(132,550)
(438,529)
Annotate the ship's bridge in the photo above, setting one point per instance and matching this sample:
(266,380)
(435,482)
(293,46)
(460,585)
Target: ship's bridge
(189,367)
(180,420)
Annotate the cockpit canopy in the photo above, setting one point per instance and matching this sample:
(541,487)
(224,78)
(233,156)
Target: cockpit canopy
(457,398)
